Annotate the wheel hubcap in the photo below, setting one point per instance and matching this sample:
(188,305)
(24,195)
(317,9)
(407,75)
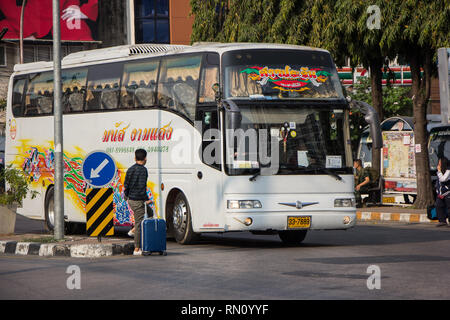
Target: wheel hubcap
(179,216)
(51,212)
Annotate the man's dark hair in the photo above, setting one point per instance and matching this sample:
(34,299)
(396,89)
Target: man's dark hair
(140,154)
(358,161)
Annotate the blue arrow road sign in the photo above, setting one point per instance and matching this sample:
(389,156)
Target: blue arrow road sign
(98,169)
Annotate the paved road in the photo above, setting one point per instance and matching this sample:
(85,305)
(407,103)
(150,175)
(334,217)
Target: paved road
(413,260)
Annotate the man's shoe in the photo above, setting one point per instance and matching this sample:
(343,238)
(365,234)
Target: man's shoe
(131,233)
(137,253)
(441,224)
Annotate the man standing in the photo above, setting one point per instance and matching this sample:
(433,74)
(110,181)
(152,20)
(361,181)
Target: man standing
(136,193)
(362,181)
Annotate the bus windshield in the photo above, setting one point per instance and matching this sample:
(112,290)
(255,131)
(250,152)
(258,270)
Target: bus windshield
(280,74)
(305,137)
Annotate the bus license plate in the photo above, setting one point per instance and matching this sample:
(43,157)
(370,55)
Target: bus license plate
(388,199)
(299,222)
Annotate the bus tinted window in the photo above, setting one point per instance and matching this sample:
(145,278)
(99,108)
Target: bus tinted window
(139,84)
(280,74)
(103,87)
(209,77)
(178,83)
(17,97)
(74,88)
(39,97)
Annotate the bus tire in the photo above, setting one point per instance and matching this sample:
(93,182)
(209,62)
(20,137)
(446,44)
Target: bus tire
(69,227)
(50,209)
(182,221)
(292,237)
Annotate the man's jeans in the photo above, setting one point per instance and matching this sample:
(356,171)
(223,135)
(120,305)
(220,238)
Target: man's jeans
(138,207)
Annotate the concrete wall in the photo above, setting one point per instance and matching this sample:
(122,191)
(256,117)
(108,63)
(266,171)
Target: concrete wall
(12,57)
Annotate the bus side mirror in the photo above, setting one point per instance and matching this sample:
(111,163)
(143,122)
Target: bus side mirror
(216,88)
(371,117)
(234,115)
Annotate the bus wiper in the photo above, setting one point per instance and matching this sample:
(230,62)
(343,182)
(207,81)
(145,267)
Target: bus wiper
(322,169)
(253,177)
(258,173)
(329,172)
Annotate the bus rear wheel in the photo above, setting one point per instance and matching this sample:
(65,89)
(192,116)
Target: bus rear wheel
(292,237)
(50,209)
(69,227)
(182,221)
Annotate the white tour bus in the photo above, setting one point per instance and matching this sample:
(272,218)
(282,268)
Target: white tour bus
(183,105)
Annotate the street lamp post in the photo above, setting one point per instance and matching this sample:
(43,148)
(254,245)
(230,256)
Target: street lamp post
(22,12)
(58,126)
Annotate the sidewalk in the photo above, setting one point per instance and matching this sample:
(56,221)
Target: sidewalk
(31,238)
(78,246)
(393,213)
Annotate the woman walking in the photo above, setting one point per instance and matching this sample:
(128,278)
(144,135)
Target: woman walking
(443,191)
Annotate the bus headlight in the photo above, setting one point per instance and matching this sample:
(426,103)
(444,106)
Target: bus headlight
(244,204)
(344,202)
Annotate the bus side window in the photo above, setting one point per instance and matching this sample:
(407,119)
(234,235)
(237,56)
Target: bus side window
(178,82)
(103,86)
(139,84)
(74,88)
(17,97)
(39,97)
(209,77)
(210,138)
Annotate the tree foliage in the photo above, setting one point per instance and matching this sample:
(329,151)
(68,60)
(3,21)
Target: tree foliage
(414,29)
(18,187)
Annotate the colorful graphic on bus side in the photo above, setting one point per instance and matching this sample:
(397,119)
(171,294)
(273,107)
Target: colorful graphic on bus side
(38,162)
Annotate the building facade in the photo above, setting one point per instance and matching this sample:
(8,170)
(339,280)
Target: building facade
(88,24)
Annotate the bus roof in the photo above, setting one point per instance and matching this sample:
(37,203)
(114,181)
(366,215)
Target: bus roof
(145,50)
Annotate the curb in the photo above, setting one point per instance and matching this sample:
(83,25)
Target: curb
(397,217)
(65,250)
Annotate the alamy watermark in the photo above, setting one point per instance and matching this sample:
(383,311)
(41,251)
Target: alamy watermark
(374,280)
(73,282)
(72,15)
(374,19)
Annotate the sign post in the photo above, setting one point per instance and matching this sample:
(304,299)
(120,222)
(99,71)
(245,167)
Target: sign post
(99,170)
(444,82)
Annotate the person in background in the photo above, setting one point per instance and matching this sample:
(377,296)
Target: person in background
(442,191)
(362,181)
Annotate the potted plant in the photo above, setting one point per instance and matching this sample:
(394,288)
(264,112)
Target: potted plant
(11,197)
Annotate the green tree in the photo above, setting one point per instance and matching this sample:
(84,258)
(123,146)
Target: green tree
(342,28)
(18,187)
(396,102)
(416,29)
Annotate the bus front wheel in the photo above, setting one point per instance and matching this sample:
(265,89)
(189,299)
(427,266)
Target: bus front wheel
(292,237)
(182,221)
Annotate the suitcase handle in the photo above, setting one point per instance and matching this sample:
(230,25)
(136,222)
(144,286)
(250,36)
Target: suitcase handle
(146,211)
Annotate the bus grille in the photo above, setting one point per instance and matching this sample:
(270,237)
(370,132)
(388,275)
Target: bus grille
(154,48)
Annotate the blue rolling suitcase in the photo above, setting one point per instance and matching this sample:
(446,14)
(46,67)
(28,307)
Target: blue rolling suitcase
(153,235)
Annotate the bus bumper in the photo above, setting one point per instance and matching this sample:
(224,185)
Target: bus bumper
(324,220)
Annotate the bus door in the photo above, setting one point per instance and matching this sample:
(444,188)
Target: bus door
(209,174)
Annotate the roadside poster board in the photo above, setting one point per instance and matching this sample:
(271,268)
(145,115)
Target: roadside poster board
(398,163)
(79,19)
